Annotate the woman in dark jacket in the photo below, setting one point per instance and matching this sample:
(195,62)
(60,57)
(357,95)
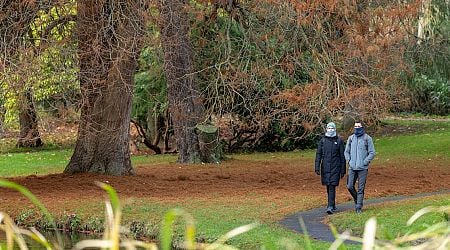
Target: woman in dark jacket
(330,163)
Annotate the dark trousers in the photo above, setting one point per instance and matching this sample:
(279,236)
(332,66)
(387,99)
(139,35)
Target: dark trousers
(331,191)
(358,195)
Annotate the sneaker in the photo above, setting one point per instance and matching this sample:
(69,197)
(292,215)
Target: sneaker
(358,210)
(329,210)
(334,209)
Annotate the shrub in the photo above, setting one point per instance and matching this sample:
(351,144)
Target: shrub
(430,95)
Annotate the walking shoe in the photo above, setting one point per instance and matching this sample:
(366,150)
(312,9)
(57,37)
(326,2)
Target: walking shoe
(358,210)
(329,210)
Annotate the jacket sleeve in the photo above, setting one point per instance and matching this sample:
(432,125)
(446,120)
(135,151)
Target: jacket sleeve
(319,156)
(371,151)
(347,150)
(342,157)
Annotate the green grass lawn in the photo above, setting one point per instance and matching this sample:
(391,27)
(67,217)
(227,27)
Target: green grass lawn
(52,162)
(419,146)
(433,142)
(38,163)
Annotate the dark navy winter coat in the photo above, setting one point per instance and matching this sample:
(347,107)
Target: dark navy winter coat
(330,160)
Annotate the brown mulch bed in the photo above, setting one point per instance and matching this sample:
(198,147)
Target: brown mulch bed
(234,179)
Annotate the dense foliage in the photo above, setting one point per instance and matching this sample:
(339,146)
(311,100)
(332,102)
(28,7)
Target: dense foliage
(271,72)
(430,71)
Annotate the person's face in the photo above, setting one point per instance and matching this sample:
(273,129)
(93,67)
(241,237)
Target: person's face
(358,125)
(330,129)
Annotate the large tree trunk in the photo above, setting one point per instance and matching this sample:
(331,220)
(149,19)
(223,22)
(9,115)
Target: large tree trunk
(29,133)
(185,104)
(109,34)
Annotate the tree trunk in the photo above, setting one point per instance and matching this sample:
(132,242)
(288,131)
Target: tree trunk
(15,20)
(153,126)
(185,105)
(29,133)
(109,34)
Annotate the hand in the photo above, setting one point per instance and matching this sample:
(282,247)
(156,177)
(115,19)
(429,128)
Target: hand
(317,172)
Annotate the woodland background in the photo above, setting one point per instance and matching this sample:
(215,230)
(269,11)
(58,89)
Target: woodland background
(267,73)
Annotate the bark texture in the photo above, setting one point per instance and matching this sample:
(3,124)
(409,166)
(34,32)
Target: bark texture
(109,39)
(185,104)
(29,134)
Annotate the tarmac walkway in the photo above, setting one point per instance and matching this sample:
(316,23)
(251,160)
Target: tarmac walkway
(314,218)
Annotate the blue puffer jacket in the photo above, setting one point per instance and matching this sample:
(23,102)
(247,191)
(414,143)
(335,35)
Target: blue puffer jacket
(359,152)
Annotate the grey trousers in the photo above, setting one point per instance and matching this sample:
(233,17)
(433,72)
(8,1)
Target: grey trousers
(331,191)
(358,195)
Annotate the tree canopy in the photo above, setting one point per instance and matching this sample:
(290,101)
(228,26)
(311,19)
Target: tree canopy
(267,73)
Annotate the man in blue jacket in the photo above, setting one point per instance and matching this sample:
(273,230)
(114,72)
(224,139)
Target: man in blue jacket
(359,152)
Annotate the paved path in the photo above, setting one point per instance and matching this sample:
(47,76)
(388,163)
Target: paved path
(320,231)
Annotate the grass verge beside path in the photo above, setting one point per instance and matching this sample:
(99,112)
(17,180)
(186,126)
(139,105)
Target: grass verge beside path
(392,217)
(213,218)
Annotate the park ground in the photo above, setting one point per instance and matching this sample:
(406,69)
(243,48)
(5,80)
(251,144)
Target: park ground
(261,187)
(275,178)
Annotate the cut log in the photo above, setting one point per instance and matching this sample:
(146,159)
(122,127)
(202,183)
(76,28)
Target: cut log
(210,148)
